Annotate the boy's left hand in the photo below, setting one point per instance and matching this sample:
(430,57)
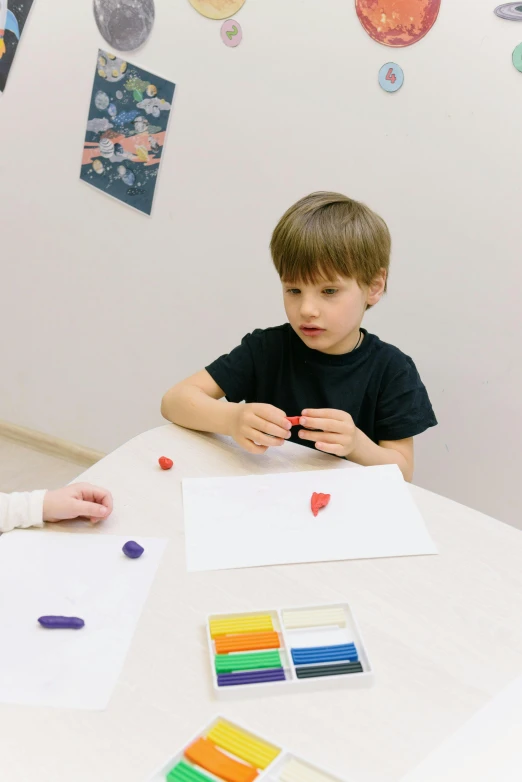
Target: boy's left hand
(335,431)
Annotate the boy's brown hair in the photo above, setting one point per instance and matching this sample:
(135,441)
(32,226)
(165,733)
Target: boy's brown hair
(328,234)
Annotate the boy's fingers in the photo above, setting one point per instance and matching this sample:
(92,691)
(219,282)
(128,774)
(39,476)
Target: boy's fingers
(272,411)
(261,438)
(103,497)
(274,415)
(251,447)
(262,425)
(330,413)
(96,494)
(91,509)
(325,437)
(325,424)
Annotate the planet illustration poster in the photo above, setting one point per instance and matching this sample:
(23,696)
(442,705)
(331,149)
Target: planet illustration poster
(217,9)
(397,23)
(126,128)
(13,16)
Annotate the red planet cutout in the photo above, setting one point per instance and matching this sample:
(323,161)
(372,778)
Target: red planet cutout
(397,22)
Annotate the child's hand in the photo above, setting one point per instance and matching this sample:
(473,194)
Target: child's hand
(257,426)
(336,433)
(79,499)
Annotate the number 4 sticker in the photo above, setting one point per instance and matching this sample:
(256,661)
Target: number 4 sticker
(391,77)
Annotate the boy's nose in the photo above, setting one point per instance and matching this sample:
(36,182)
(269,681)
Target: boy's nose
(309,309)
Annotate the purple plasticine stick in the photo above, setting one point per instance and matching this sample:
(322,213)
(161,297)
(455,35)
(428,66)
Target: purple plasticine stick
(61,622)
(132,549)
(251,677)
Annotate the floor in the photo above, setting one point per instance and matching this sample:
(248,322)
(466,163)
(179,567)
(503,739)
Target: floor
(22,469)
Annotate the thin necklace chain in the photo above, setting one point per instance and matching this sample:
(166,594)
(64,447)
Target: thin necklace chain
(358,341)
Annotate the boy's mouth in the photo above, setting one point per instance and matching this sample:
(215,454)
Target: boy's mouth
(311,331)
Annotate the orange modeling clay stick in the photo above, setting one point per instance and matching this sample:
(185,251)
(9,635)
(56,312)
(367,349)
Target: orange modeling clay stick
(205,754)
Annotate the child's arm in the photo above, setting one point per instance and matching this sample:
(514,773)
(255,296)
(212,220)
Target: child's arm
(21,509)
(334,431)
(194,403)
(399,452)
(31,509)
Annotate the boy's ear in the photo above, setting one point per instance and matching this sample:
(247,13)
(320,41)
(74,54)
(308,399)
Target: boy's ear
(376,288)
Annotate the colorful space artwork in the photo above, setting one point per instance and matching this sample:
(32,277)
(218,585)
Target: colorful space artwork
(217,9)
(128,118)
(397,23)
(13,16)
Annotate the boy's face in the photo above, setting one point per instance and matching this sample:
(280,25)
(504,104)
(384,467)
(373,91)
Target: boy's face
(327,315)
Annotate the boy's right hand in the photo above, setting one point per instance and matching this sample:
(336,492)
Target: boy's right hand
(256,427)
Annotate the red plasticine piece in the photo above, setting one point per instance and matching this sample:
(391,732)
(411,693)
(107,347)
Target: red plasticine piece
(165,463)
(319,501)
(294,419)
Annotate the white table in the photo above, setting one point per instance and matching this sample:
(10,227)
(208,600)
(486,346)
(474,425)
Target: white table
(444,634)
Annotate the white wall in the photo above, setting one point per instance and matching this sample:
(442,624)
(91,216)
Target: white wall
(102,309)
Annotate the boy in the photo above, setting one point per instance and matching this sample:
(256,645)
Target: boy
(358,398)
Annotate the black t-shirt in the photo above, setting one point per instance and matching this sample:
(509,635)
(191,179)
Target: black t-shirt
(376,384)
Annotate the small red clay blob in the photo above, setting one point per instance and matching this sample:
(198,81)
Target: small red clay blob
(294,419)
(165,463)
(319,501)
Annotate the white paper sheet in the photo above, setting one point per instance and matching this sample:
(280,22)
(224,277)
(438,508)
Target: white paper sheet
(266,519)
(59,573)
(487,748)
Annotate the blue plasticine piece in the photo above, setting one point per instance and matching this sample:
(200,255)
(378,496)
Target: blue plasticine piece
(325,654)
(132,549)
(61,622)
(324,648)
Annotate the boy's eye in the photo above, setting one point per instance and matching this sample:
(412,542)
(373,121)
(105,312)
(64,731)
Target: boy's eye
(293,291)
(330,291)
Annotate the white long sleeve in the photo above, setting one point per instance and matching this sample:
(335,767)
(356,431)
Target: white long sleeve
(21,509)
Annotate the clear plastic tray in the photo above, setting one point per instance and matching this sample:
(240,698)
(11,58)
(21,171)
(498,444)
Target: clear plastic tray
(336,627)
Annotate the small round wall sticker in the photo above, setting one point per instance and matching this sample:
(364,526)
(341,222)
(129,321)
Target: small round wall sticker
(231,33)
(391,77)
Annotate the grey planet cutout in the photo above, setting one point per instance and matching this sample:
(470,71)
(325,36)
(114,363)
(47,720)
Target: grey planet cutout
(510,11)
(125,24)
